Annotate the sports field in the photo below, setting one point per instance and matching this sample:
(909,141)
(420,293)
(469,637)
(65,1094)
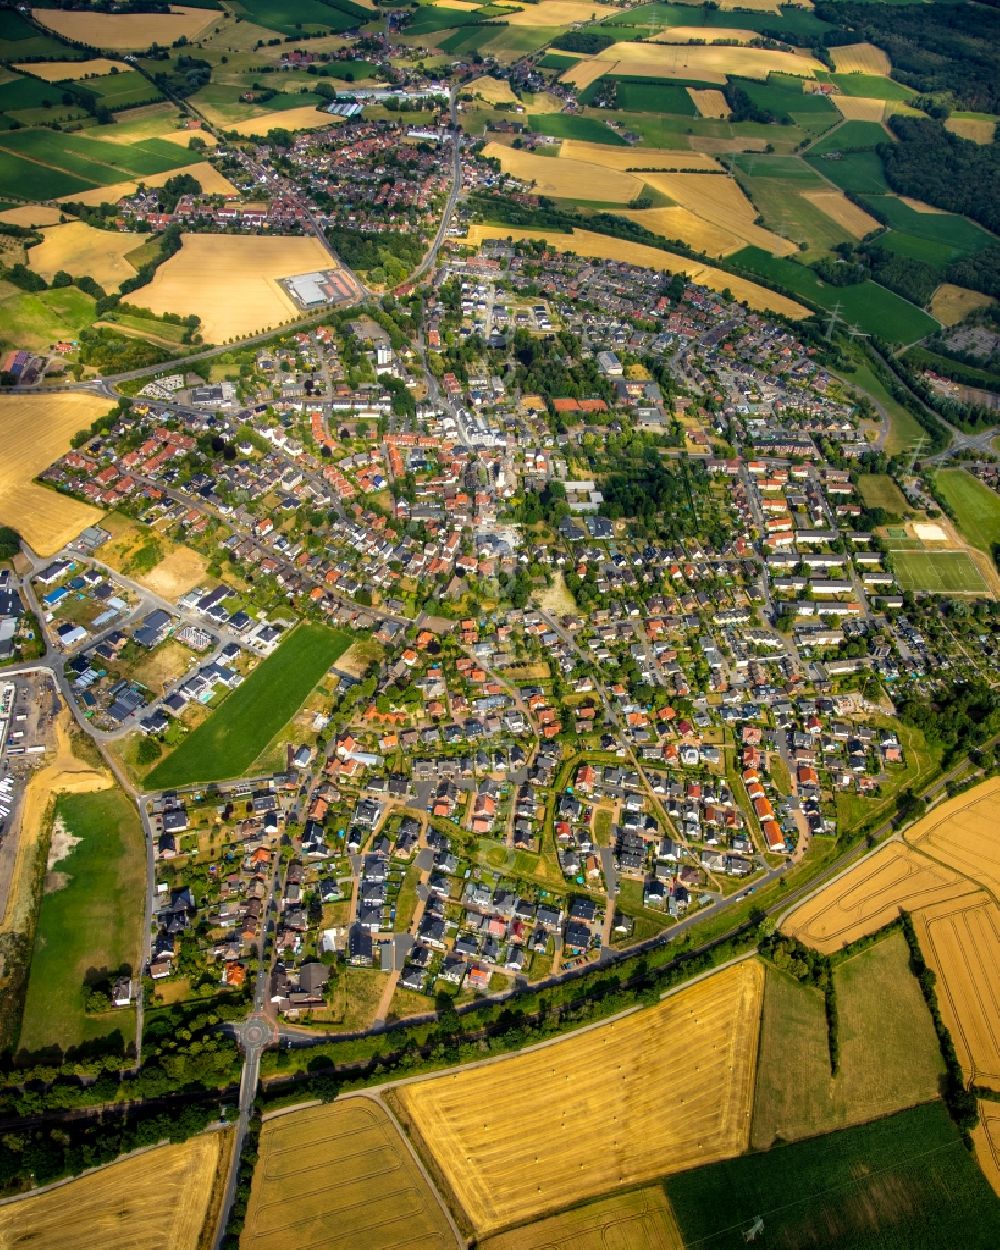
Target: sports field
(36,430)
(157,1200)
(230,281)
(84,251)
(638,1220)
(880,1010)
(340,1177)
(870,895)
(228,743)
(975,505)
(902,1183)
(126,32)
(938,572)
(661,1089)
(90,918)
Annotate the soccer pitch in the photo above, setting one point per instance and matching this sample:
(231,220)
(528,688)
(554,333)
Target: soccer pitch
(938,572)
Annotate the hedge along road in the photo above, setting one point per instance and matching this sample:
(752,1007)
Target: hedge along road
(227,744)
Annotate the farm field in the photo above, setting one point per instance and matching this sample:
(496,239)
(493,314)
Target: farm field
(566,178)
(679,223)
(340,1176)
(870,895)
(704,1040)
(30,215)
(938,572)
(624,158)
(37,320)
(986,1136)
(230,281)
(36,430)
(640,1220)
(952,304)
(157,1200)
(588,243)
(58,164)
(704,63)
(976,506)
(843,211)
(860,58)
(902,1183)
(709,103)
(559,13)
(126,32)
(306,117)
(235,735)
(960,834)
(878,490)
(855,108)
(90,918)
(64,71)
(212,183)
(719,200)
(82,250)
(880,1009)
(980,129)
(961,942)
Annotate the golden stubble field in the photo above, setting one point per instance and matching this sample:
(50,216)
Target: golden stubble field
(212,183)
(856,108)
(639,1220)
(614,158)
(340,1177)
(604,247)
(63,71)
(709,103)
(978,129)
(29,215)
(125,32)
(35,431)
(860,58)
(702,63)
(559,13)
(565,178)
(157,1200)
(843,211)
(718,199)
(986,1136)
(663,1089)
(952,304)
(230,281)
(962,833)
(80,250)
(307,117)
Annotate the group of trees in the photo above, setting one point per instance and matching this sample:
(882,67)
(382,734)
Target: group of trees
(931,164)
(958,716)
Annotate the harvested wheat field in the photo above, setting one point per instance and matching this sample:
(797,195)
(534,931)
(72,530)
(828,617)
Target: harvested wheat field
(680,223)
(604,247)
(80,249)
(211,181)
(706,64)
(306,118)
(709,103)
(157,1200)
(870,895)
(658,1091)
(843,211)
(961,942)
(856,108)
(952,304)
(640,1220)
(36,430)
(758,6)
(586,71)
(860,58)
(566,179)
(986,1137)
(719,200)
(125,31)
(714,146)
(978,129)
(63,773)
(559,13)
(63,71)
(962,833)
(29,215)
(541,102)
(493,90)
(341,1177)
(706,34)
(184,136)
(230,281)
(609,157)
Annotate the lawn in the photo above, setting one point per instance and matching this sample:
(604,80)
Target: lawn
(902,1183)
(938,572)
(92,923)
(880,1010)
(227,743)
(878,490)
(975,505)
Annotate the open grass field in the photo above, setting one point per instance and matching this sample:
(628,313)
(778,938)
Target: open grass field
(602,246)
(90,918)
(938,572)
(36,320)
(870,895)
(157,1200)
(92,161)
(952,304)
(340,1177)
(250,717)
(705,63)
(211,181)
(520,1137)
(566,178)
(493,90)
(976,507)
(960,940)
(230,281)
(64,71)
(902,1183)
(872,86)
(781,194)
(572,126)
(638,1220)
(880,1010)
(961,834)
(878,490)
(860,58)
(126,32)
(82,250)
(36,430)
